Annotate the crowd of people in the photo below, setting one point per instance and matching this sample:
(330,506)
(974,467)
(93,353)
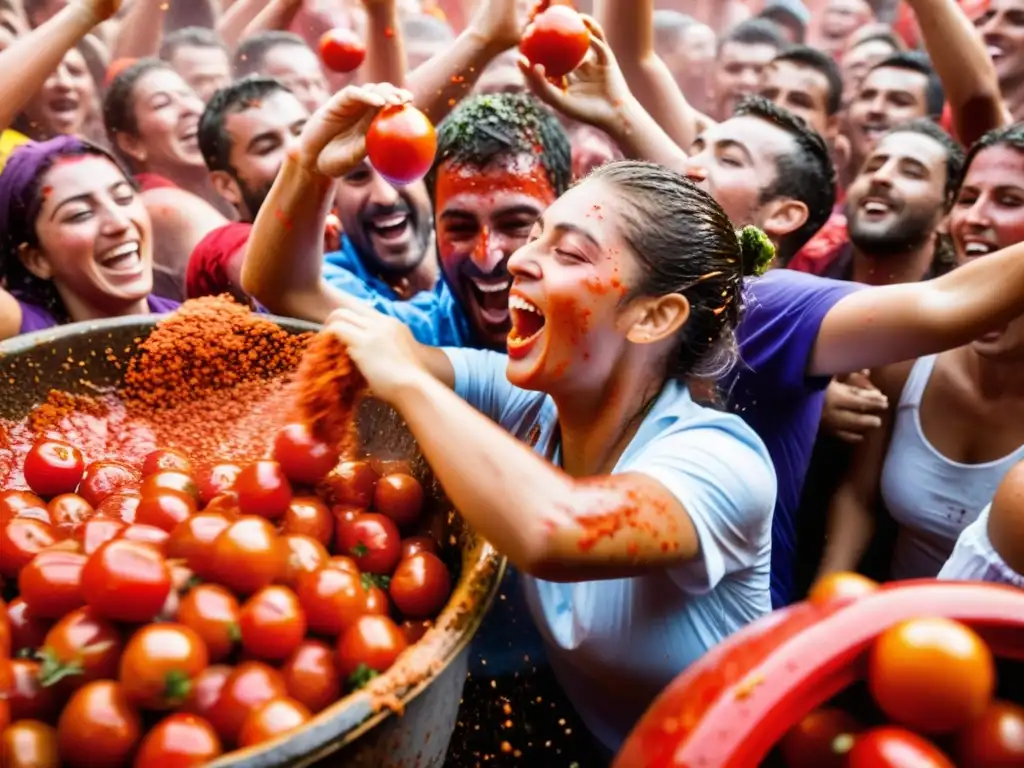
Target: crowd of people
(734,307)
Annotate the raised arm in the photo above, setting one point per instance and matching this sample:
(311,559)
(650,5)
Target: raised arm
(139,33)
(385,49)
(276,14)
(235,19)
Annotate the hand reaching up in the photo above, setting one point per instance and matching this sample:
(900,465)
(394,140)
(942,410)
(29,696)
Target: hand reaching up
(102,10)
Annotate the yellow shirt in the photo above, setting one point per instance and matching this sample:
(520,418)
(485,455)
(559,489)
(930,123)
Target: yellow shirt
(8,141)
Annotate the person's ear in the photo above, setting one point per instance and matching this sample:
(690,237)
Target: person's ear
(659,318)
(782,217)
(131,147)
(35,261)
(227,187)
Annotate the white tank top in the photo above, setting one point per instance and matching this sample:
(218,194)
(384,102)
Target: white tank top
(931,497)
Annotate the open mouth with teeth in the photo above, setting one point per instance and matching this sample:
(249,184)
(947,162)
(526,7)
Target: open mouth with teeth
(527,321)
(125,258)
(63,105)
(976,248)
(875,208)
(390,227)
(491,297)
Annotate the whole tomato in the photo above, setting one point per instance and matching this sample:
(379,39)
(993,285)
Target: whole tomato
(557,39)
(179,740)
(273,719)
(206,690)
(888,747)
(303,457)
(309,516)
(213,613)
(353,483)
(120,505)
(414,544)
(332,599)
(98,718)
(193,541)
(414,630)
(369,646)
(164,509)
(69,512)
(102,478)
(263,490)
(126,581)
(251,685)
(420,585)
(304,554)
(401,144)
(995,740)
(159,664)
(28,632)
(97,532)
(166,459)
(6,636)
(933,675)
(342,50)
(841,588)
(820,740)
(24,505)
(217,479)
(400,497)
(81,648)
(372,540)
(311,676)
(29,744)
(170,480)
(20,541)
(50,583)
(28,697)
(249,555)
(53,467)
(273,624)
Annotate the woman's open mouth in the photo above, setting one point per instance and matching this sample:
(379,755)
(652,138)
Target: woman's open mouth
(125,259)
(527,325)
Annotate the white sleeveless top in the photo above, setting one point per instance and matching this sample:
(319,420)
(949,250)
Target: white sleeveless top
(975,559)
(931,497)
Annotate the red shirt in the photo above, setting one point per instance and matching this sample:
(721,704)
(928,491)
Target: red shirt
(148,181)
(824,248)
(207,273)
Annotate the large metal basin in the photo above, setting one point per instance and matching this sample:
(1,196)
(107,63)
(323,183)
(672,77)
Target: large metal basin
(426,684)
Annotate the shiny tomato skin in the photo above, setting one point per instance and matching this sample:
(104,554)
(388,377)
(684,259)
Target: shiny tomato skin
(53,467)
(159,664)
(249,555)
(97,532)
(332,600)
(273,624)
(24,505)
(811,743)
(263,490)
(225,504)
(415,629)
(20,541)
(50,584)
(82,639)
(120,505)
(372,540)
(309,516)
(103,478)
(27,631)
(147,534)
(933,675)
(213,613)
(166,459)
(344,563)
(342,50)
(401,144)
(353,483)
(5,631)
(169,480)
(249,686)
(164,509)
(217,479)
(557,39)
(206,689)
(126,581)
(273,719)
(180,740)
(995,740)
(303,457)
(304,554)
(28,698)
(69,512)
(99,717)
(841,588)
(29,744)
(888,747)
(193,541)
(374,641)
(420,585)
(400,497)
(414,544)
(311,676)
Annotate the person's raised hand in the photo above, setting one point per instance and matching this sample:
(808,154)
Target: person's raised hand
(500,23)
(334,139)
(853,407)
(101,10)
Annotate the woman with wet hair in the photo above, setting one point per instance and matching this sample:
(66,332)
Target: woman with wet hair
(641,518)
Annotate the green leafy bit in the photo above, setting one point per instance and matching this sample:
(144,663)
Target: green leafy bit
(234,633)
(52,669)
(375,580)
(361,676)
(177,687)
(359,550)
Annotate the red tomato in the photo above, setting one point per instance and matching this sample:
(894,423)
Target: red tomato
(311,677)
(401,144)
(557,39)
(820,740)
(332,599)
(934,675)
(309,516)
(420,585)
(273,719)
(263,490)
(121,505)
(81,648)
(372,643)
(372,540)
(98,728)
(28,698)
(841,588)
(303,457)
(102,478)
(249,555)
(251,685)
(20,541)
(415,630)
(206,690)
(888,747)
(69,512)
(29,744)
(5,631)
(53,467)
(400,497)
(212,613)
(353,482)
(24,505)
(50,584)
(414,544)
(159,664)
(304,554)
(377,601)
(126,581)
(169,480)
(391,466)
(97,532)
(273,624)
(27,631)
(179,741)
(344,563)
(995,740)
(147,534)
(342,50)
(164,509)
(166,459)
(193,541)
(217,479)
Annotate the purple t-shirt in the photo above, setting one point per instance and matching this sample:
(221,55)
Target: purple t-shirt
(35,318)
(772,392)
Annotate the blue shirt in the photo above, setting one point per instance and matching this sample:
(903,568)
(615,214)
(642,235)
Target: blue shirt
(615,644)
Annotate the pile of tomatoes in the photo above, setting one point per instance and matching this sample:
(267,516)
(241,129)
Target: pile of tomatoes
(167,613)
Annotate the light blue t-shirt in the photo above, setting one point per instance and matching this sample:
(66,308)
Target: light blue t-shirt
(615,644)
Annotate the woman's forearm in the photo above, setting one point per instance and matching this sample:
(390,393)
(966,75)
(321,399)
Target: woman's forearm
(850,527)
(385,49)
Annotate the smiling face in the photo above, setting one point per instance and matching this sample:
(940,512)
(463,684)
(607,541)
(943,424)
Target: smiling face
(1002,31)
(482,217)
(94,238)
(738,73)
(859,60)
(167,115)
(887,97)
(64,102)
(989,211)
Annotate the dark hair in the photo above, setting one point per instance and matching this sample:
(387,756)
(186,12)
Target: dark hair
(251,52)
(686,244)
(915,61)
(782,16)
(876,33)
(190,37)
(214,142)
(486,127)
(119,100)
(924,126)
(1010,136)
(812,58)
(754,31)
(669,25)
(805,174)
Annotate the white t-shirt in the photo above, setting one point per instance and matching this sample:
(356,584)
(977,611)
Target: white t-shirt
(975,559)
(615,644)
